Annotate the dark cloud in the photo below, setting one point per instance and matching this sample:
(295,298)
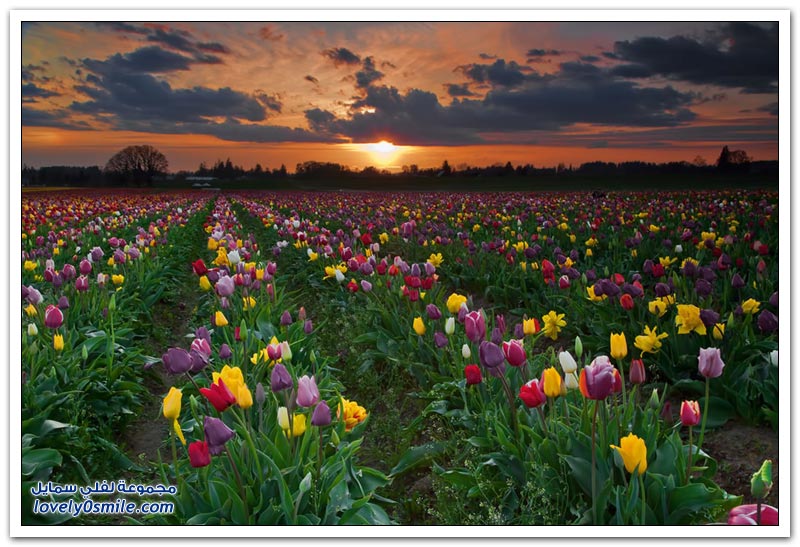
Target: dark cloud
(543,52)
(458,90)
(273,102)
(498,73)
(147,59)
(771,109)
(58,118)
(739,55)
(387,64)
(214,47)
(31,92)
(231,130)
(341,56)
(516,102)
(311,79)
(487,57)
(123,27)
(367,74)
(269,34)
(174,39)
(589,58)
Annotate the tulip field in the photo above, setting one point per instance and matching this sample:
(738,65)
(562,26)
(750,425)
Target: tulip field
(395,358)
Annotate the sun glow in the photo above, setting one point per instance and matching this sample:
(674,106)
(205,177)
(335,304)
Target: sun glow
(381,153)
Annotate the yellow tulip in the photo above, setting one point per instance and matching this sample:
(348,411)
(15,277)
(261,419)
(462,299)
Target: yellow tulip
(352,413)
(718,331)
(244,398)
(205,284)
(619,346)
(419,326)
(657,307)
(117,279)
(750,306)
(30,310)
(454,302)
(633,452)
(552,323)
(212,244)
(58,342)
(298,425)
(172,403)
(249,302)
(220,320)
(232,376)
(552,382)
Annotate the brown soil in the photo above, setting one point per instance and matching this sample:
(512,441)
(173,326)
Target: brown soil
(740,450)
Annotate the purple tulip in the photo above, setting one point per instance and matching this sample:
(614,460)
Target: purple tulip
(307,392)
(63,302)
(430,269)
(689,269)
(497,336)
(202,332)
(280,378)
(68,271)
(53,317)
(119,257)
(599,378)
(737,282)
(475,326)
(366,286)
(773,300)
(82,283)
(85,267)
(462,313)
(225,286)
(134,253)
(308,326)
(225,352)
(767,321)
(491,356)
(96,254)
(177,361)
(439,339)
(709,317)
(199,361)
(500,323)
(433,312)
(217,434)
(662,290)
(322,415)
(702,287)
(213,275)
(34,296)
(709,362)
(286,319)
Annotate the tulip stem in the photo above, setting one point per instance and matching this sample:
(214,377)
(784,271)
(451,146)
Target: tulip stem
(513,406)
(705,415)
(544,422)
(241,484)
(594,464)
(642,493)
(758,513)
(250,443)
(691,453)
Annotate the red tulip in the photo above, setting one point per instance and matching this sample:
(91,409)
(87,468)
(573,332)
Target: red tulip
(219,395)
(626,301)
(690,413)
(473,374)
(198,454)
(199,267)
(532,394)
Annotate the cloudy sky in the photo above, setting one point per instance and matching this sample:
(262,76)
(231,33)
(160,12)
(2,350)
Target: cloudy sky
(473,93)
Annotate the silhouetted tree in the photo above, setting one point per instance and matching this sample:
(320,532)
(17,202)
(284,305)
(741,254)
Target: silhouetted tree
(137,164)
(446,169)
(733,161)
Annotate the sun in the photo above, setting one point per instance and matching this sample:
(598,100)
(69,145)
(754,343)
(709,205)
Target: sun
(381,153)
(383,147)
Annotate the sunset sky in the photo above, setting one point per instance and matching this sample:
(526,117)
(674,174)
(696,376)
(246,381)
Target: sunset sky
(474,93)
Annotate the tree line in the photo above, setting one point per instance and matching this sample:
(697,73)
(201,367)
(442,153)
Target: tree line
(143,165)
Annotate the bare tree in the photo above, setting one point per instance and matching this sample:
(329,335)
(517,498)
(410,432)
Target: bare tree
(137,164)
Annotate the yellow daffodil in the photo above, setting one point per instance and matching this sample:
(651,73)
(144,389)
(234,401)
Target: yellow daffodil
(249,302)
(30,310)
(552,323)
(688,319)
(436,259)
(650,341)
(29,265)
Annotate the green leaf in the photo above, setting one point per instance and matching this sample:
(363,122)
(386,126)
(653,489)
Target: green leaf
(417,456)
(37,459)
